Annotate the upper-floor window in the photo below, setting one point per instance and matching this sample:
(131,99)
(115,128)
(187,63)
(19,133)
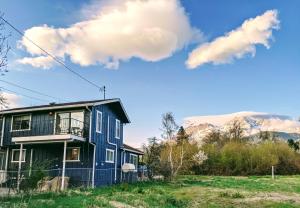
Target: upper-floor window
(73,154)
(118,129)
(99,122)
(110,156)
(133,159)
(20,123)
(15,155)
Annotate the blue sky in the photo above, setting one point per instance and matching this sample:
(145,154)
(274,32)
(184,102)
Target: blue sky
(265,82)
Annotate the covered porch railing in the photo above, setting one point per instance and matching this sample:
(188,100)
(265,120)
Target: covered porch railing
(54,127)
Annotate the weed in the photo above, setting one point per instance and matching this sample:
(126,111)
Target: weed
(237,195)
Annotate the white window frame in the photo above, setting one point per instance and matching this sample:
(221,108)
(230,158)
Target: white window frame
(12,122)
(118,124)
(97,121)
(137,160)
(12,155)
(110,161)
(78,160)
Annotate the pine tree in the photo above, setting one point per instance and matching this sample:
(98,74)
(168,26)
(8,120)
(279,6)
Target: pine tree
(182,136)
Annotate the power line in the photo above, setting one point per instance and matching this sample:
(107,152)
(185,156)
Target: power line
(34,98)
(53,57)
(30,90)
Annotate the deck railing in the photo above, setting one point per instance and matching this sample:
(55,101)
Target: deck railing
(54,127)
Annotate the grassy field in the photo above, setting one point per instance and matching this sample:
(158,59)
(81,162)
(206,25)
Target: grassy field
(186,191)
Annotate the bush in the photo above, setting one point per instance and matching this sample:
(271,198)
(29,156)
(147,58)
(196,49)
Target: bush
(245,158)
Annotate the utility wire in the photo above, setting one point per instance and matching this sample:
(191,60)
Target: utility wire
(34,98)
(30,90)
(53,57)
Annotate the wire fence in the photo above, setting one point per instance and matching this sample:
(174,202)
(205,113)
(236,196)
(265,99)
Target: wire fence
(51,180)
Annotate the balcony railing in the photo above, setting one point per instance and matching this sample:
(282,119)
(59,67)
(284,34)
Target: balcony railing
(54,127)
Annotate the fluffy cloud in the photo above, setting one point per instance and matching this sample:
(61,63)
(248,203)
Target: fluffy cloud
(12,100)
(237,43)
(44,62)
(117,31)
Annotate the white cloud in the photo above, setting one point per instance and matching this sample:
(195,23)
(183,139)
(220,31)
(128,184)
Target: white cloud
(44,62)
(116,31)
(237,43)
(12,100)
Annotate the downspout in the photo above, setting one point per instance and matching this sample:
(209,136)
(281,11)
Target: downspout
(122,163)
(2,132)
(116,148)
(94,148)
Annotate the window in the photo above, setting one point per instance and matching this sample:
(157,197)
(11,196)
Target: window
(133,159)
(16,154)
(20,123)
(110,156)
(118,129)
(73,154)
(99,122)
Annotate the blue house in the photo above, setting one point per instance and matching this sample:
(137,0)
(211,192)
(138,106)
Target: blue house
(80,140)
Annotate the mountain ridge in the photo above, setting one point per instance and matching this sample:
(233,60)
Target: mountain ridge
(252,123)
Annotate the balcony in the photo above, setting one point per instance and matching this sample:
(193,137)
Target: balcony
(54,130)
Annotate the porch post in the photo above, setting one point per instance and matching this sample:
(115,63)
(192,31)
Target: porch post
(93,173)
(30,164)
(64,167)
(20,166)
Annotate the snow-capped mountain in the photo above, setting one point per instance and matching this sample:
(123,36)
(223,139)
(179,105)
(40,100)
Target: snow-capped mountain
(253,123)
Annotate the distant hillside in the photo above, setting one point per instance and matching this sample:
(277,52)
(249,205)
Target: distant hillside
(283,127)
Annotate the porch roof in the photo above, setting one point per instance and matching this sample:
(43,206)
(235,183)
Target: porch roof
(132,149)
(47,139)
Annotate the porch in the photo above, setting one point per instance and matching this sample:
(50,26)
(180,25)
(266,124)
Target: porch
(72,159)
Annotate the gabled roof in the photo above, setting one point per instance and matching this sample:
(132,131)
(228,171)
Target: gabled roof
(132,149)
(116,103)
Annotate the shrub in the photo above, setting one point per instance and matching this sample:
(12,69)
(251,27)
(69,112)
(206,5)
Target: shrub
(245,158)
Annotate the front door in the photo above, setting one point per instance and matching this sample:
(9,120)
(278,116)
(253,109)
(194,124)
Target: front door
(2,167)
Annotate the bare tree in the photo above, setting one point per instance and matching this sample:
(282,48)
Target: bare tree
(169,129)
(236,131)
(4,48)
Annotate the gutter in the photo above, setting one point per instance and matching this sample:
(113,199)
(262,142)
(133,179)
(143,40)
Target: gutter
(94,148)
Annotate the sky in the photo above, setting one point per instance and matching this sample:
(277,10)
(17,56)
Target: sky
(189,57)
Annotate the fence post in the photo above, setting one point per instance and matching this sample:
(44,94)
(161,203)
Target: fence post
(273,175)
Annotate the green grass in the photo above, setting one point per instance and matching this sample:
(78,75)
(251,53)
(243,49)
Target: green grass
(186,191)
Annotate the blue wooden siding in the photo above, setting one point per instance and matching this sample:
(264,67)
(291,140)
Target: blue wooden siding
(100,139)
(42,123)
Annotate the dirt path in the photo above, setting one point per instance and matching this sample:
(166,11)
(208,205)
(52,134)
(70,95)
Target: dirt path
(119,205)
(274,196)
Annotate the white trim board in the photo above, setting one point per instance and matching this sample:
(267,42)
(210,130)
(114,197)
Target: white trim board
(67,106)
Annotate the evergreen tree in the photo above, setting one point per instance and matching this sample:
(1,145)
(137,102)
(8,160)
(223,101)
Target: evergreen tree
(152,156)
(182,136)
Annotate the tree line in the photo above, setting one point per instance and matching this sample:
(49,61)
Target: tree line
(220,153)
